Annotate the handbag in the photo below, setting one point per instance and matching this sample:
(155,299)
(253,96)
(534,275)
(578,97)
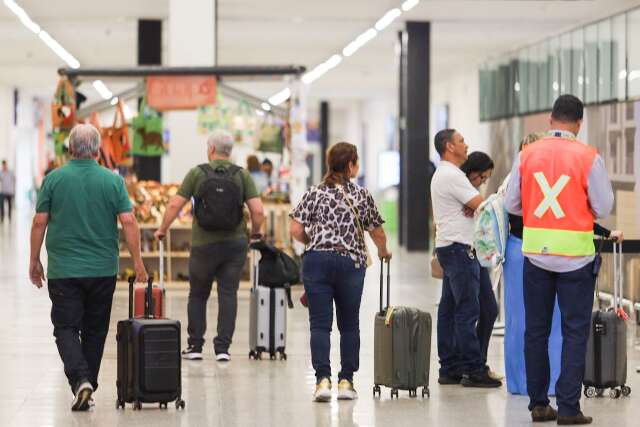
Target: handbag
(436,268)
(105,156)
(147,132)
(117,137)
(63,108)
(359,226)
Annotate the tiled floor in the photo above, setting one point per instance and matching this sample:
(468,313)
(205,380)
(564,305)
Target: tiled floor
(34,390)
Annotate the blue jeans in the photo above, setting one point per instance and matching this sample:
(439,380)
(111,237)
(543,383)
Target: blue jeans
(575,298)
(330,277)
(459,348)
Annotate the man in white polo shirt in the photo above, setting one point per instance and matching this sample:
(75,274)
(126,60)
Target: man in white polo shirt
(454,200)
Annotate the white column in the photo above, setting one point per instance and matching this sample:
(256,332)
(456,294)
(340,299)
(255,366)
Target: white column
(191,43)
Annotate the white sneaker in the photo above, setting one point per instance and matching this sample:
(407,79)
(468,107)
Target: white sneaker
(82,398)
(192,353)
(223,357)
(323,391)
(346,391)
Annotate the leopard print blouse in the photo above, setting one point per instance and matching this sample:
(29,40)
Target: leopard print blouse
(330,221)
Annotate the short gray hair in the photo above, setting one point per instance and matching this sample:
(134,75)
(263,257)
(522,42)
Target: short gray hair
(222,141)
(84,141)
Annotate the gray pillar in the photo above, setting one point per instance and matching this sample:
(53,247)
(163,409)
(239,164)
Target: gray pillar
(324,134)
(414,210)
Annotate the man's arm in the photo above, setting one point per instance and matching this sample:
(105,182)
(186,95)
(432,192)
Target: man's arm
(600,191)
(38,229)
(132,237)
(174,207)
(513,197)
(257,214)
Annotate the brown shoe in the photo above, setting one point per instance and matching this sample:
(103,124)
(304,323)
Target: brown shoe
(543,413)
(574,420)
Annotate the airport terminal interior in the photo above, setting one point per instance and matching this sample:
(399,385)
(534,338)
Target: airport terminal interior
(285,80)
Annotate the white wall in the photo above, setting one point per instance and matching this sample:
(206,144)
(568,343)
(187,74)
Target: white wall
(7,150)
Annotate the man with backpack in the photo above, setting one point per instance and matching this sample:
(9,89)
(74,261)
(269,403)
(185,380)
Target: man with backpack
(219,245)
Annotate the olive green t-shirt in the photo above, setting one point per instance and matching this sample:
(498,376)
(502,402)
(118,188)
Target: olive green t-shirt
(83,200)
(190,186)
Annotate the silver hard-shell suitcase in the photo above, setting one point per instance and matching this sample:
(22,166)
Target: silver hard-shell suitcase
(267,318)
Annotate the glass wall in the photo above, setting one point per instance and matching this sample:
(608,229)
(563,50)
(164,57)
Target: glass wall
(597,63)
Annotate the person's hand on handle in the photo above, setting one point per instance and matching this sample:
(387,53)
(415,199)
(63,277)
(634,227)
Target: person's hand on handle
(160,234)
(141,273)
(384,254)
(36,273)
(616,236)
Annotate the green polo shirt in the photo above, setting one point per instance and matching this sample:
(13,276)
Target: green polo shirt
(190,187)
(83,200)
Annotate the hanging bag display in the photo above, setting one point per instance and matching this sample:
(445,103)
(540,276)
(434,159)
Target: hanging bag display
(105,157)
(147,132)
(63,114)
(117,137)
(270,137)
(244,124)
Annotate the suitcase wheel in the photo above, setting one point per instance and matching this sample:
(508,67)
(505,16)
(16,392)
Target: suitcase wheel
(590,392)
(272,356)
(283,355)
(614,393)
(137,406)
(394,392)
(626,390)
(425,392)
(119,404)
(163,405)
(413,393)
(180,404)
(376,389)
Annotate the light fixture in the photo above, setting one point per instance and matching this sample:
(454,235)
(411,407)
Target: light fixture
(102,89)
(260,113)
(114,100)
(387,19)
(280,97)
(409,4)
(22,15)
(516,87)
(622,75)
(359,41)
(321,69)
(266,106)
(633,75)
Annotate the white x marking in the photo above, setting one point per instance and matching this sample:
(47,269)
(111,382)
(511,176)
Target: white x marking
(550,195)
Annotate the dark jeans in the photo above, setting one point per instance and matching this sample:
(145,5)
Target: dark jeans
(575,298)
(459,348)
(222,262)
(329,277)
(9,199)
(488,313)
(80,313)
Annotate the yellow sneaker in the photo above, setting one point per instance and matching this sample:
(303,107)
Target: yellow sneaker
(346,390)
(323,391)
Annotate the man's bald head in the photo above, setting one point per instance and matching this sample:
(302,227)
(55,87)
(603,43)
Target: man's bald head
(84,142)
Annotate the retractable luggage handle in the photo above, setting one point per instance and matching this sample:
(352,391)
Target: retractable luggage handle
(161,250)
(382,283)
(618,276)
(132,280)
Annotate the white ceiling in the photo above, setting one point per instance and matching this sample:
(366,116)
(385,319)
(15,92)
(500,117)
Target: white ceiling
(263,32)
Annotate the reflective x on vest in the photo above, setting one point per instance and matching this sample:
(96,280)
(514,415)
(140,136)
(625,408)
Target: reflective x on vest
(550,200)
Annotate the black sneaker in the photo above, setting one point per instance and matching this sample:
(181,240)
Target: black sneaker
(481,380)
(449,379)
(82,399)
(192,353)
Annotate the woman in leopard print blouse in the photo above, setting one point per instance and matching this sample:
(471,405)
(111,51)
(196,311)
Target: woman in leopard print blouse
(331,220)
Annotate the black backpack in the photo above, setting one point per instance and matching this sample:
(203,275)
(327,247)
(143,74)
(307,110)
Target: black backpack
(218,203)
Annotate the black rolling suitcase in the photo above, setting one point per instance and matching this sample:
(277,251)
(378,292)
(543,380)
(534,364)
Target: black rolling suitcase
(606,362)
(149,364)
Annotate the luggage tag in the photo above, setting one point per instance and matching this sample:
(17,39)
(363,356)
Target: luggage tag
(387,319)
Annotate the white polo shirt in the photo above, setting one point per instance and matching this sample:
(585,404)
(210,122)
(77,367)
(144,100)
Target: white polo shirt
(450,191)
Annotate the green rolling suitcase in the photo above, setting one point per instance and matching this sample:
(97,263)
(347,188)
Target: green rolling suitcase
(402,346)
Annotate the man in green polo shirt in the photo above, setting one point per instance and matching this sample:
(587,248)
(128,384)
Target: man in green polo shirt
(215,255)
(79,206)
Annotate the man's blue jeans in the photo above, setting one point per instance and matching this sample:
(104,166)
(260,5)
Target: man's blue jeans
(329,277)
(575,298)
(459,348)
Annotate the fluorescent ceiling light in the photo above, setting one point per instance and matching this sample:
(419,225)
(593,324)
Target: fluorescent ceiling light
(321,69)
(387,19)
(280,97)
(265,106)
(633,75)
(114,101)
(22,15)
(102,89)
(622,75)
(59,50)
(409,4)
(260,112)
(360,41)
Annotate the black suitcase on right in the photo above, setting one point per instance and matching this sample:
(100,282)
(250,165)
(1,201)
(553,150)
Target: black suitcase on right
(149,363)
(606,360)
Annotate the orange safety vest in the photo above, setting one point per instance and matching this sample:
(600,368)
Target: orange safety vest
(555,202)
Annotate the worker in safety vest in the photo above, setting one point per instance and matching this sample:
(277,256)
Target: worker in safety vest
(559,185)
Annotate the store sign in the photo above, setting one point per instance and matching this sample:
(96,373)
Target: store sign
(180,92)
